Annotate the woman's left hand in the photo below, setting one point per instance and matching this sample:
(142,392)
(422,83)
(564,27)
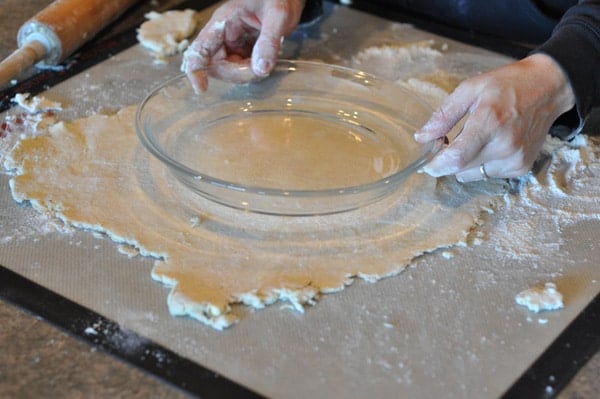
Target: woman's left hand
(507,114)
(241,40)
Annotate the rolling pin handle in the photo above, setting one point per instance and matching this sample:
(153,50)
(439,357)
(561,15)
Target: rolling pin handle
(21,60)
(32,32)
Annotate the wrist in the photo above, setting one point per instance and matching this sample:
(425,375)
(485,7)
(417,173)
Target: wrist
(561,86)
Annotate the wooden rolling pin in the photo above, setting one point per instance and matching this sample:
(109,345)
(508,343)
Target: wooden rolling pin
(57,31)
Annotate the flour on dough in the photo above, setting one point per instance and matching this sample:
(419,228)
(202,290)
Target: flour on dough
(88,172)
(539,299)
(33,115)
(166,34)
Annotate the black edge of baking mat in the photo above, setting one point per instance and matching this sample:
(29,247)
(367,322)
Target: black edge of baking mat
(559,363)
(508,48)
(554,368)
(103,47)
(109,337)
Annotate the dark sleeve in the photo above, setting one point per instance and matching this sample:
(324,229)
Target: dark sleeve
(575,45)
(313,9)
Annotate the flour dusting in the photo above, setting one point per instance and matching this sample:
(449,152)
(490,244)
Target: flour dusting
(566,187)
(566,191)
(213,257)
(31,117)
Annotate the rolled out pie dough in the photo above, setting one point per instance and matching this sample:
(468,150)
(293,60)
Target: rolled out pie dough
(93,174)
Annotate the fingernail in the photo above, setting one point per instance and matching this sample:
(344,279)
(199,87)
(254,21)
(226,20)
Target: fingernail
(430,172)
(420,137)
(262,67)
(439,167)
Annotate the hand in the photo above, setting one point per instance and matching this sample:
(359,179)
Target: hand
(241,40)
(507,113)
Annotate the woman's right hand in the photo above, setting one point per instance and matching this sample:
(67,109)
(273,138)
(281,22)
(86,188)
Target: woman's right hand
(241,41)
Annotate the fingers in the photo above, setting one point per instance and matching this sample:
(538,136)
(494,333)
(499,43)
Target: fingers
(265,54)
(460,154)
(514,165)
(466,145)
(488,170)
(507,113)
(199,80)
(275,25)
(234,71)
(481,144)
(206,45)
(498,150)
(492,133)
(241,33)
(447,116)
(200,53)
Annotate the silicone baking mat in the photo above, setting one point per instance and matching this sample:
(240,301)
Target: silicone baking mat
(443,328)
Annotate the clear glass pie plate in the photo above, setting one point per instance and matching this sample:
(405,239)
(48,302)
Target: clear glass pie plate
(310,139)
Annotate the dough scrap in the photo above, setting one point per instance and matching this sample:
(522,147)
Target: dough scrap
(166,34)
(539,299)
(89,172)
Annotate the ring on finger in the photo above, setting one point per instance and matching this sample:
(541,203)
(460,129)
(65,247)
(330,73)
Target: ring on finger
(483,172)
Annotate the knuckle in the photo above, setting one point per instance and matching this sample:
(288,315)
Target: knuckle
(520,171)
(498,115)
(455,158)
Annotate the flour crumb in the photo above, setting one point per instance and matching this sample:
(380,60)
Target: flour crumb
(90,331)
(478,238)
(128,251)
(98,235)
(539,299)
(195,221)
(35,104)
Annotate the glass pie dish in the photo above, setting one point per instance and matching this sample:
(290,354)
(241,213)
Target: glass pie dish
(310,139)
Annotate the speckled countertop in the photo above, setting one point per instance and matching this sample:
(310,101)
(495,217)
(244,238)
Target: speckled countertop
(39,360)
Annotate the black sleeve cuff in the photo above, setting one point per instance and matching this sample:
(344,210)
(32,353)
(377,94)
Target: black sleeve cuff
(313,9)
(575,45)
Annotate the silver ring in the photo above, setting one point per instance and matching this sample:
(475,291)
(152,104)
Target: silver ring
(483,172)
